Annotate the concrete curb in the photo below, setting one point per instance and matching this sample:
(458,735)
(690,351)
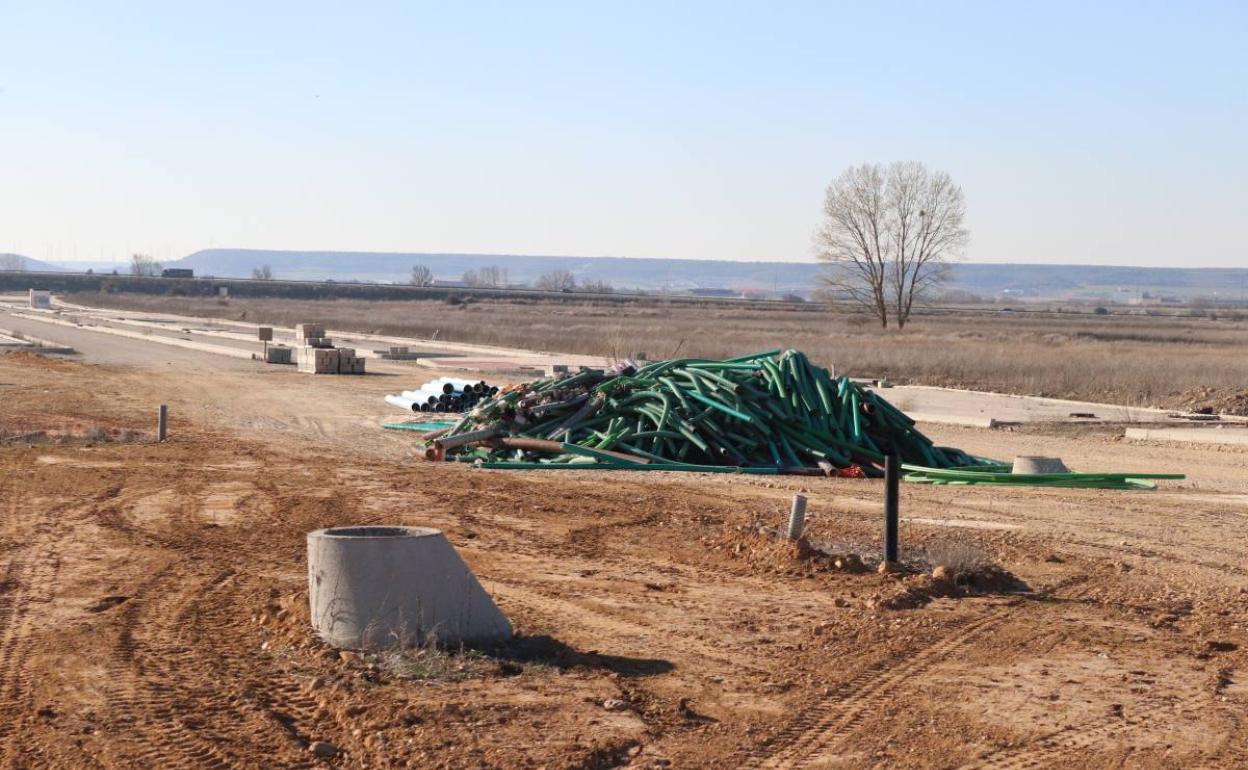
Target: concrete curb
(1216,435)
(159,340)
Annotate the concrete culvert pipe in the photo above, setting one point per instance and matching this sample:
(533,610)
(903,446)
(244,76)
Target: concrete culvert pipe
(384,587)
(1033,465)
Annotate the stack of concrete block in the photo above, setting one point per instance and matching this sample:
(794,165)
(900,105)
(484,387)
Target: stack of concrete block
(276,355)
(349,362)
(316,353)
(318,360)
(397,353)
(305,332)
(312,335)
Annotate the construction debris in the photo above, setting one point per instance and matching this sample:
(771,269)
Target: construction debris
(769,412)
(445,394)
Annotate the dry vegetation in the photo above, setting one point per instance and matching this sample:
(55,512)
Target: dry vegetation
(1132,359)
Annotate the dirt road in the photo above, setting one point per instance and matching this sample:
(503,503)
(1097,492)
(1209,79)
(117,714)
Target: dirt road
(152,604)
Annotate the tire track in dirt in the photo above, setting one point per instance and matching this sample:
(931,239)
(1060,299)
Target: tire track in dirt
(14,604)
(1069,743)
(822,727)
(144,693)
(827,723)
(186,690)
(1148,553)
(31,578)
(603,625)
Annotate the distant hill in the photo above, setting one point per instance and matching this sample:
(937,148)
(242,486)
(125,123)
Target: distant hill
(622,272)
(1026,281)
(18,262)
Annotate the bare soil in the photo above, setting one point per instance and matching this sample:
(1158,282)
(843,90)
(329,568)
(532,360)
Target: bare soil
(153,601)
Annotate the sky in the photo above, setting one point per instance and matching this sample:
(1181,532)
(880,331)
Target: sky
(1098,133)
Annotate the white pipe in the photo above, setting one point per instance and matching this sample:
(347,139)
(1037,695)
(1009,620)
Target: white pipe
(402,403)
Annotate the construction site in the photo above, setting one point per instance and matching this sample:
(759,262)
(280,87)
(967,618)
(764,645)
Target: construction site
(475,556)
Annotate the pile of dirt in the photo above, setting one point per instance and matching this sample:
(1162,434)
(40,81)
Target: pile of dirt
(1214,401)
(765,550)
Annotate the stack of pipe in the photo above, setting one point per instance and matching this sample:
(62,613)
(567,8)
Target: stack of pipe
(771,412)
(445,394)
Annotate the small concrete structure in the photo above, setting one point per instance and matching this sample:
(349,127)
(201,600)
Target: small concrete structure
(384,587)
(1032,465)
(40,300)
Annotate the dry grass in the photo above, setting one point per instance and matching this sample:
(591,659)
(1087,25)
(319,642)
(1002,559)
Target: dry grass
(1136,360)
(960,556)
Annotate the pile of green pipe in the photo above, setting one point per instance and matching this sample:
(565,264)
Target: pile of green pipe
(1000,475)
(757,413)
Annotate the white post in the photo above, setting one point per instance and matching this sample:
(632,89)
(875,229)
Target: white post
(797,517)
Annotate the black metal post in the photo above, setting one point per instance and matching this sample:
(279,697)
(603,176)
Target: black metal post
(892,477)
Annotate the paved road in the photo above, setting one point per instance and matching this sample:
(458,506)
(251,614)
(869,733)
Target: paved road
(100,348)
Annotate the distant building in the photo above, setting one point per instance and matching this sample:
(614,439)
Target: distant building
(1147,299)
(177,272)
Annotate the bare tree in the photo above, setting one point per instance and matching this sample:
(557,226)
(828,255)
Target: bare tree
(597,287)
(142,264)
(495,276)
(488,277)
(262,273)
(421,276)
(888,234)
(12,262)
(556,280)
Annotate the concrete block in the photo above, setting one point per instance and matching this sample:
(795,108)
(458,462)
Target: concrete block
(318,360)
(305,332)
(276,355)
(40,300)
(346,359)
(385,587)
(357,366)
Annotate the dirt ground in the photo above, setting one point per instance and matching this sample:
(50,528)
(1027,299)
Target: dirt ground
(153,600)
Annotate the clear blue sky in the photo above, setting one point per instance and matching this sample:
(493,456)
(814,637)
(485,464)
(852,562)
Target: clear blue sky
(1107,132)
